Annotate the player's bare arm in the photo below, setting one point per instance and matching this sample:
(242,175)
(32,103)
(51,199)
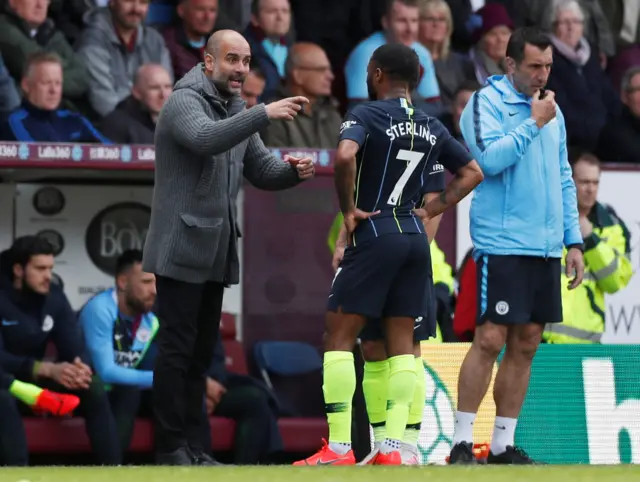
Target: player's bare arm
(465,181)
(431,225)
(345,174)
(341,245)
(345,181)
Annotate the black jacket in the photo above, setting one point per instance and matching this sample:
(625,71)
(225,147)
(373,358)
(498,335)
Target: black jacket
(129,123)
(29,321)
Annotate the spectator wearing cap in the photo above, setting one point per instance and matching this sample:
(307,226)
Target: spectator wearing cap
(490,41)
(400,24)
(582,90)
(186,39)
(25,30)
(621,138)
(267,37)
(40,118)
(114,46)
(465,20)
(318,123)
(436,27)
(253,87)
(134,120)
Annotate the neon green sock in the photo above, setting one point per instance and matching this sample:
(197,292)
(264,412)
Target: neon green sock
(25,392)
(375,385)
(339,385)
(412,431)
(402,382)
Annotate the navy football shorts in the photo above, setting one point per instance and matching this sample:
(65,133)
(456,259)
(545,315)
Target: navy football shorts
(519,289)
(387,276)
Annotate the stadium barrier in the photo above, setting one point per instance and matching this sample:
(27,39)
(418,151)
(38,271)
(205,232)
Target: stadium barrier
(582,407)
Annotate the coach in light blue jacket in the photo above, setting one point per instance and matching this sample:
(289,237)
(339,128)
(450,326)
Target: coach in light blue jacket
(523,215)
(527,202)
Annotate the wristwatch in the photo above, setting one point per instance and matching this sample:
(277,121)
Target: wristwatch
(579,246)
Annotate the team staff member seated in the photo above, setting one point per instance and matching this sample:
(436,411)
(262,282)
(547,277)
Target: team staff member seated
(34,312)
(119,328)
(606,258)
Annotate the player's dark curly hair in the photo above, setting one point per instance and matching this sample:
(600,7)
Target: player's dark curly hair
(398,62)
(25,247)
(127,260)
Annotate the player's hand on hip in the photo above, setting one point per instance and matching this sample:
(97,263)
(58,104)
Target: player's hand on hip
(422,214)
(338,254)
(304,166)
(286,109)
(543,110)
(352,218)
(575,267)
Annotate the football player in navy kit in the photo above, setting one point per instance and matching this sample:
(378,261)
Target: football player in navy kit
(385,147)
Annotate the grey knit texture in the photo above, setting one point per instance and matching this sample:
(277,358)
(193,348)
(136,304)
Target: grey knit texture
(204,146)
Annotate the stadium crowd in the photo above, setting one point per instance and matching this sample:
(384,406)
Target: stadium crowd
(99,71)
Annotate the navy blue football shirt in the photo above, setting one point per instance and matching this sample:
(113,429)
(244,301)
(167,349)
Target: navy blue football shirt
(400,147)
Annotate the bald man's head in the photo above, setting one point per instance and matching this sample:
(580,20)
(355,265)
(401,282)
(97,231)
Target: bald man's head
(152,87)
(308,70)
(227,58)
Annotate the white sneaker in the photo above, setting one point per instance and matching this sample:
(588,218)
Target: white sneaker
(409,454)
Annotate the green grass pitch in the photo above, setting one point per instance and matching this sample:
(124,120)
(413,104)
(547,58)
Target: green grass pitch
(584,473)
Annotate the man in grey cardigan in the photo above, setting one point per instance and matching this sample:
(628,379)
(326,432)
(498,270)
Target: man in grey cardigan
(206,141)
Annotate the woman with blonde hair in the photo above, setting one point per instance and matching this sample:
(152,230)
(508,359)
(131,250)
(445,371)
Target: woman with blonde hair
(452,69)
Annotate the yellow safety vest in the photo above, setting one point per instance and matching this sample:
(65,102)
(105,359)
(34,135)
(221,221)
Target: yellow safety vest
(607,270)
(442,272)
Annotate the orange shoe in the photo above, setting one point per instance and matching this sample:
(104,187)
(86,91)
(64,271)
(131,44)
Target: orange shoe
(392,458)
(58,404)
(326,456)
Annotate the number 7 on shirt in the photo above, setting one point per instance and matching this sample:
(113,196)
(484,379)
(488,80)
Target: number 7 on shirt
(413,158)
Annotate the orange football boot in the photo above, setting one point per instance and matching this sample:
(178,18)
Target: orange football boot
(58,404)
(392,458)
(326,456)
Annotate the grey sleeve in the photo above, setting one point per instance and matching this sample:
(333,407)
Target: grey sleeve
(166,61)
(9,97)
(264,170)
(193,129)
(102,93)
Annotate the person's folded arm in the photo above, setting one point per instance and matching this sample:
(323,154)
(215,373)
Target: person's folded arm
(98,332)
(482,127)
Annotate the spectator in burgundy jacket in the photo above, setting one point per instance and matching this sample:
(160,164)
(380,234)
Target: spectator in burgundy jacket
(186,39)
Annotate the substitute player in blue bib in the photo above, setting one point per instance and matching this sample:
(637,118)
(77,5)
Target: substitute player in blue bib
(385,146)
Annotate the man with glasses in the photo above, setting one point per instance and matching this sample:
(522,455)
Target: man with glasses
(308,74)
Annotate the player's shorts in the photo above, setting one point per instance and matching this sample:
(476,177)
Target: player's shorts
(423,329)
(383,277)
(519,289)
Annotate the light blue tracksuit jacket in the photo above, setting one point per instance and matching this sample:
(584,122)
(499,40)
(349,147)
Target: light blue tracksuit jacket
(526,204)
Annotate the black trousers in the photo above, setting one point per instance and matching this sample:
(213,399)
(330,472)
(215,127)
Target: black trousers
(257,435)
(129,403)
(189,316)
(94,407)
